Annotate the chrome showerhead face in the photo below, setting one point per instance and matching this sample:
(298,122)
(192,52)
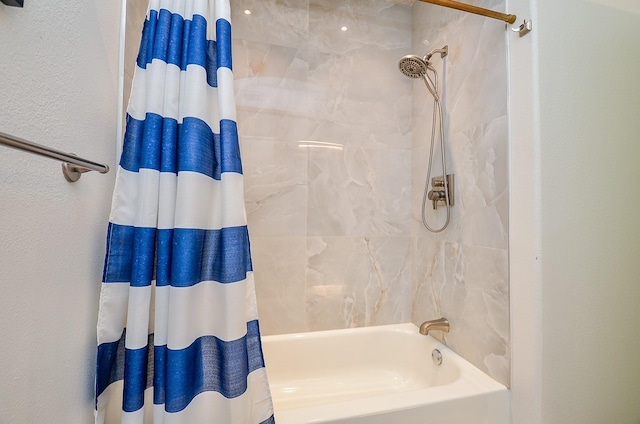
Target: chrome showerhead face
(413,66)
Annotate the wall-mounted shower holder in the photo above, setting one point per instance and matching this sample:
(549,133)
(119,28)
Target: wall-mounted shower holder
(437,194)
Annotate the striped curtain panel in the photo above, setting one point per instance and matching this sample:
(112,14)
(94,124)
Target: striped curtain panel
(178,334)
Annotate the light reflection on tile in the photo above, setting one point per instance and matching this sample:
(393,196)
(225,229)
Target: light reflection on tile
(277,22)
(379,23)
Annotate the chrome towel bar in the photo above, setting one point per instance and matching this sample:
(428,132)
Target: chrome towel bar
(73,165)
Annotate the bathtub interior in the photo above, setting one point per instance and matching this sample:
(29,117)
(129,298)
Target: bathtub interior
(364,371)
(332,366)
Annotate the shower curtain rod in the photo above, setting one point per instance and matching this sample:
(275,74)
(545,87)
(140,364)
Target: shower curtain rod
(72,167)
(473,9)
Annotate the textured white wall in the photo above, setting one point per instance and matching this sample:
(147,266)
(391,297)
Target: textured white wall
(589,129)
(581,337)
(58,87)
(524,221)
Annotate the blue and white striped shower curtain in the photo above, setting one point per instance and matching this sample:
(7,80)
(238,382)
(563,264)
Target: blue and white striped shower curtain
(178,335)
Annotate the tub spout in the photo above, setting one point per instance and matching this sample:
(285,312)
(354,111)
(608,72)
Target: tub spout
(441,324)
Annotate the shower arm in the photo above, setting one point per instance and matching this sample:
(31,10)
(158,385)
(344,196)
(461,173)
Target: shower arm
(473,9)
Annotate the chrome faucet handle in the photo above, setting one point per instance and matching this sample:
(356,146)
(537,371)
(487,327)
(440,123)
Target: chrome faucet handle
(438,193)
(440,324)
(435,196)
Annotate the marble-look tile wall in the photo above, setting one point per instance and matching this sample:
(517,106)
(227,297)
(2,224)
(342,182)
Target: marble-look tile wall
(136,11)
(325,124)
(462,273)
(334,142)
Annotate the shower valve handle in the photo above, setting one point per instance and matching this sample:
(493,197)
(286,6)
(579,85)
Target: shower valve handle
(435,195)
(438,193)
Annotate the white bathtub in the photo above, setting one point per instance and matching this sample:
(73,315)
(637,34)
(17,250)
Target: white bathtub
(377,375)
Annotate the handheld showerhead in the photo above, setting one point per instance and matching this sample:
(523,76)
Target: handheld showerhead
(413,66)
(416,67)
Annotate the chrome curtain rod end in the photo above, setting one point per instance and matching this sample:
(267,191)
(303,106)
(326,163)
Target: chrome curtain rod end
(523,29)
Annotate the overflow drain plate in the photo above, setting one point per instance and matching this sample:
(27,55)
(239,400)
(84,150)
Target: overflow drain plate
(437,357)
